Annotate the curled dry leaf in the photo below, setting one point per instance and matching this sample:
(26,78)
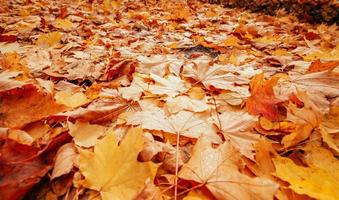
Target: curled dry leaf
(98,110)
(26,104)
(64,160)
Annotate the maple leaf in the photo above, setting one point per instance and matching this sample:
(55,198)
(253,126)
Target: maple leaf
(262,100)
(235,127)
(315,181)
(171,86)
(180,103)
(63,24)
(185,123)
(111,168)
(305,118)
(218,170)
(319,85)
(85,134)
(135,90)
(317,66)
(49,39)
(159,64)
(324,82)
(329,128)
(213,76)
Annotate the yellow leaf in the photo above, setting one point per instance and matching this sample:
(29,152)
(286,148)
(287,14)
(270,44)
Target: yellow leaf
(280,52)
(323,55)
(64,24)
(196,195)
(231,41)
(233,59)
(322,158)
(302,132)
(113,169)
(267,39)
(312,181)
(196,93)
(49,39)
(70,99)
(85,134)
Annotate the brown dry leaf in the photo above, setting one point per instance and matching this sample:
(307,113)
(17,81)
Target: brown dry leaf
(214,76)
(98,110)
(170,86)
(218,170)
(64,160)
(185,123)
(135,90)
(235,126)
(26,104)
(113,169)
(179,103)
(324,82)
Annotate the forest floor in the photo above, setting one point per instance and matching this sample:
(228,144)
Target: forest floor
(124,100)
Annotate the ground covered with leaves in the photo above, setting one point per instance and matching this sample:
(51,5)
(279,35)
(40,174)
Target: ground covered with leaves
(120,100)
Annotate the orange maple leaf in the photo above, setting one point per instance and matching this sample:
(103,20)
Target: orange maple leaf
(318,66)
(262,100)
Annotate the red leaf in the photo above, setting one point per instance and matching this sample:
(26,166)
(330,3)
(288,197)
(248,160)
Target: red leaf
(22,166)
(20,169)
(8,38)
(311,36)
(63,13)
(262,100)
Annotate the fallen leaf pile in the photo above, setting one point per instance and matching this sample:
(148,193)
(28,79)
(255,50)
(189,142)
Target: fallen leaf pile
(165,100)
